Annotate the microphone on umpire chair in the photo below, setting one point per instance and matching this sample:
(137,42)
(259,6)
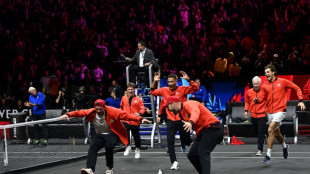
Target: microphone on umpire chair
(123,57)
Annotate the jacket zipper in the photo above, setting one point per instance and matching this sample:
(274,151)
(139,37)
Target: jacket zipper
(272,96)
(256,105)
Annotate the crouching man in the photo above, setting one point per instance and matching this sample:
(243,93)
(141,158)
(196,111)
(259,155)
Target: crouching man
(209,131)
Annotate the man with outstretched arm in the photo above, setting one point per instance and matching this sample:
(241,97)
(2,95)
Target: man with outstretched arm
(109,129)
(174,122)
(274,91)
(209,131)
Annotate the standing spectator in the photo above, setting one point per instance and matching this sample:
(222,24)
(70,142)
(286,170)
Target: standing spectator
(80,99)
(44,80)
(62,99)
(48,100)
(133,104)
(37,103)
(54,84)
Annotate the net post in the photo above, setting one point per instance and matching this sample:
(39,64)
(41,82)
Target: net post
(6,158)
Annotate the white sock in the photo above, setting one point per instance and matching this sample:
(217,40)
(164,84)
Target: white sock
(269,152)
(284,145)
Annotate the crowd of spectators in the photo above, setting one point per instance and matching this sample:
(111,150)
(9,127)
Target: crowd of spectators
(57,45)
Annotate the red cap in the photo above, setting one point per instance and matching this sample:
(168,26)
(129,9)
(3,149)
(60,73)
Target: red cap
(171,99)
(99,102)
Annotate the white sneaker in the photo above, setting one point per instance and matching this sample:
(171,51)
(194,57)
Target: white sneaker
(175,166)
(87,171)
(127,151)
(259,153)
(137,153)
(109,171)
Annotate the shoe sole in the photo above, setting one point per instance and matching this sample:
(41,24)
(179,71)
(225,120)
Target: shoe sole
(127,154)
(84,172)
(268,162)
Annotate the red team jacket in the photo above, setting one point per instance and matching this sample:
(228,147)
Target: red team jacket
(136,106)
(198,114)
(180,91)
(113,117)
(257,110)
(275,94)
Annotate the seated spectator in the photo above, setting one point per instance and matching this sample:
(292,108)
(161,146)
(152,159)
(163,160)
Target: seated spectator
(113,100)
(97,74)
(20,106)
(201,94)
(278,63)
(119,92)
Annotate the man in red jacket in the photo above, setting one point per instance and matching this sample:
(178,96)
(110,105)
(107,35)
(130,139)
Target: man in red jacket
(174,122)
(133,104)
(274,91)
(258,113)
(209,131)
(109,129)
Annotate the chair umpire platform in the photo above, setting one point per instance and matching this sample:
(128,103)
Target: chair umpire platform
(151,102)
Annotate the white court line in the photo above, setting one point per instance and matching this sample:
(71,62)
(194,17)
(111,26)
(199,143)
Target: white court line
(212,152)
(47,152)
(145,152)
(166,157)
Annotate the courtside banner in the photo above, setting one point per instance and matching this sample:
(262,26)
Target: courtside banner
(4,113)
(303,81)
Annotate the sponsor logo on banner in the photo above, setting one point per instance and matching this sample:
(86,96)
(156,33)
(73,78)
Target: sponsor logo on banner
(4,113)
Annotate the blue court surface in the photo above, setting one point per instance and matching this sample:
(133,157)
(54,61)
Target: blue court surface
(226,159)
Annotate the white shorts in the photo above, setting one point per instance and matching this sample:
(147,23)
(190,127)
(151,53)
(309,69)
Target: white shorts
(276,117)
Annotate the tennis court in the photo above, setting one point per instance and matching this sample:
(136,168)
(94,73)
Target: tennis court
(225,159)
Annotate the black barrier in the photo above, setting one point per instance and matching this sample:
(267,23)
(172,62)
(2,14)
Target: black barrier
(17,134)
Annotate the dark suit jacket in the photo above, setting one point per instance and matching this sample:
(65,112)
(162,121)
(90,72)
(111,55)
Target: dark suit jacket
(148,57)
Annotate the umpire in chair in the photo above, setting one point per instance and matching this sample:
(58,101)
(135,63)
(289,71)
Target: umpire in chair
(142,59)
